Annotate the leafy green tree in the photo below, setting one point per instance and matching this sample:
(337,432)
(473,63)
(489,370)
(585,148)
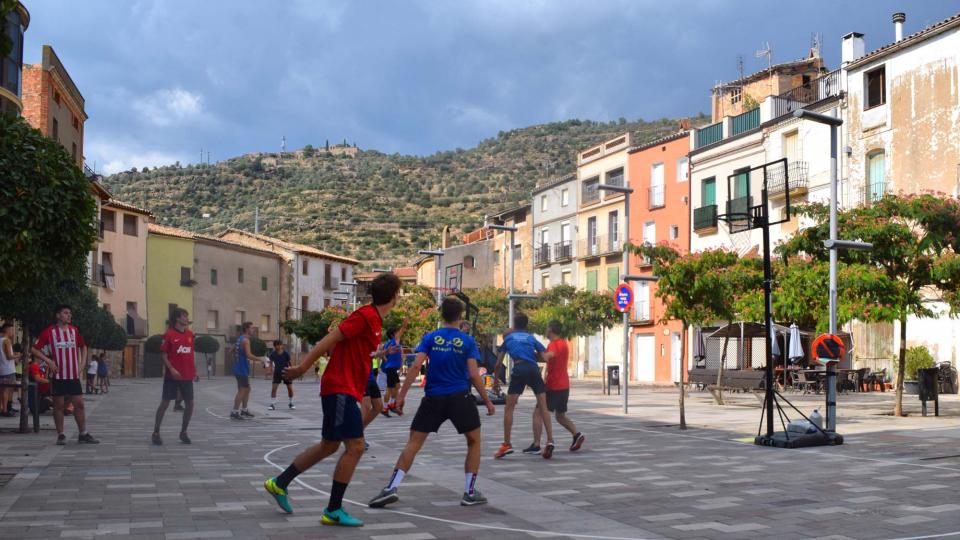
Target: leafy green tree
(315,325)
(257,346)
(915,245)
(206,345)
(418,307)
(308,151)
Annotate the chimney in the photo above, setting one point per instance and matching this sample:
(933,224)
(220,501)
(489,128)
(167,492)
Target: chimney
(898,19)
(852,47)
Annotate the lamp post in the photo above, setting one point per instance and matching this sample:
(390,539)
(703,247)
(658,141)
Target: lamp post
(626,191)
(353,292)
(626,357)
(513,259)
(437,260)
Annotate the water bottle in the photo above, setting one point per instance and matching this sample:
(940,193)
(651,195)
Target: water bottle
(816,418)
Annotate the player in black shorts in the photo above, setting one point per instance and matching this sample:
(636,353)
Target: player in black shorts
(280,359)
(452,356)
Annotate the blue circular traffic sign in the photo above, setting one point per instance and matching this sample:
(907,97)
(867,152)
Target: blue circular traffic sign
(623,298)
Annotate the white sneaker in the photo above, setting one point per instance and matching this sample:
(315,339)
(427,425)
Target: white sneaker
(271,407)
(292,408)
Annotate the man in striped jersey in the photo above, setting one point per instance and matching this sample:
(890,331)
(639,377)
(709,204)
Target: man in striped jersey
(62,348)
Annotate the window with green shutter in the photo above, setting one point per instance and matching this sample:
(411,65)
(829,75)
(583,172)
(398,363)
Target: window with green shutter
(613,277)
(263,283)
(709,194)
(592,280)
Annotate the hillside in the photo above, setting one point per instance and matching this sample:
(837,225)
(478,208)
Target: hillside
(376,207)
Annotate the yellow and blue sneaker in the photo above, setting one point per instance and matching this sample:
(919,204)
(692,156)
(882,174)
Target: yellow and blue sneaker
(340,517)
(279,494)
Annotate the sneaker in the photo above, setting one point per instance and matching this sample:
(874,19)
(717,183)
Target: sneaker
(246,413)
(340,517)
(505,448)
(235,416)
(61,439)
(178,408)
(291,407)
(577,442)
(473,500)
(386,412)
(366,446)
(155,439)
(185,439)
(279,494)
(548,451)
(386,496)
(87,438)
(532,449)
(396,411)
(271,407)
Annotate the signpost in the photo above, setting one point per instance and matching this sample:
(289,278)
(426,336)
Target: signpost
(623,298)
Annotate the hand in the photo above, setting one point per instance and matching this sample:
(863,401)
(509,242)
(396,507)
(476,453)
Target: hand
(175,374)
(51,366)
(292,372)
(490,408)
(399,404)
(393,349)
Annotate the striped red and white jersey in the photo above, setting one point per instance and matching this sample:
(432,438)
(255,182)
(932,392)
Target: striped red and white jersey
(62,345)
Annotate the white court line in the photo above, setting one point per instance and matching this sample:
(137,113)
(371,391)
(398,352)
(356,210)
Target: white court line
(215,414)
(266,457)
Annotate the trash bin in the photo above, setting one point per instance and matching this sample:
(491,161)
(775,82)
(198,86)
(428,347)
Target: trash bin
(613,378)
(929,388)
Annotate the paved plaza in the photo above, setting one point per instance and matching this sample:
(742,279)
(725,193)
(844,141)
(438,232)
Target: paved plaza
(636,477)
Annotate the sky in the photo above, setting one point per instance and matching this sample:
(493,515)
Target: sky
(164,79)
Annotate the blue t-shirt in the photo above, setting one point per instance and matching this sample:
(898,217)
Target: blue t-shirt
(242,365)
(448,350)
(394,360)
(521,346)
(279,361)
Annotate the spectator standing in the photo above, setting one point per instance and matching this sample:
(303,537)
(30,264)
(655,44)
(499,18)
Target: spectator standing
(91,374)
(38,374)
(103,373)
(179,372)
(8,369)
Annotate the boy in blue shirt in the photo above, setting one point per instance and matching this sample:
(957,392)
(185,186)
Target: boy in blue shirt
(525,351)
(452,356)
(391,367)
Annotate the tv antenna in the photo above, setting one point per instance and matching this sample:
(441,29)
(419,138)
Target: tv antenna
(767,51)
(816,44)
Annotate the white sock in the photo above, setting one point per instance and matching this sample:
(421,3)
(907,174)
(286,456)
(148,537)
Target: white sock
(396,478)
(273,401)
(392,401)
(236,411)
(470,482)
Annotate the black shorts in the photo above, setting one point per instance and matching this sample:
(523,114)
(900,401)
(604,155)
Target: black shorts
(65,387)
(279,378)
(91,377)
(557,400)
(460,409)
(373,390)
(172,387)
(341,418)
(525,374)
(393,377)
(243,381)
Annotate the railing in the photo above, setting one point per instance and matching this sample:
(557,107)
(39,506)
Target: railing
(745,121)
(615,180)
(655,197)
(709,135)
(136,326)
(870,193)
(541,254)
(563,251)
(816,90)
(591,193)
(797,176)
(89,173)
(100,230)
(590,247)
(739,206)
(614,245)
(705,217)
(641,311)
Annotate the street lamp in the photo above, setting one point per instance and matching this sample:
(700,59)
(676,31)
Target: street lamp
(353,292)
(833,244)
(437,259)
(626,191)
(513,259)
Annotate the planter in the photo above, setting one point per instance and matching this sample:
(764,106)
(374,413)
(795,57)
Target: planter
(911,387)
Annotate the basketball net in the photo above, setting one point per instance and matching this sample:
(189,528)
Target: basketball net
(740,241)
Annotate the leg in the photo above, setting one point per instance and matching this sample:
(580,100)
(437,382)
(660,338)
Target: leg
(290,390)
(79,413)
(237,399)
(273,391)
(508,416)
(566,422)
(472,462)
(414,444)
(537,425)
(161,410)
(343,472)
(315,454)
(545,415)
(371,412)
(245,396)
(58,406)
(187,413)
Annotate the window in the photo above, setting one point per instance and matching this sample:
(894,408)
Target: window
(592,236)
(264,323)
(876,176)
(735,94)
(304,304)
(56,97)
(496,257)
(566,277)
(544,238)
(76,122)
(683,169)
(614,178)
(239,275)
(213,319)
(327,276)
(239,317)
(517,252)
(106,269)
(543,203)
(326,302)
(55,134)
(591,193)
(343,273)
(564,232)
(641,304)
(656,185)
(469,262)
(875,88)
(109,218)
(741,184)
(613,229)
(674,232)
(185,278)
(545,280)
(73,151)
(708,193)
(650,233)
(613,277)
(263,283)
(790,146)
(564,197)
(591,280)
(130,224)
(305,266)
(213,276)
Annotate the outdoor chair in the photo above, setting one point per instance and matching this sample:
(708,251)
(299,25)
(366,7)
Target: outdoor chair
(802,382)
(880,379)
(864,379)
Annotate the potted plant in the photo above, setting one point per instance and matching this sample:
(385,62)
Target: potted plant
(916,358)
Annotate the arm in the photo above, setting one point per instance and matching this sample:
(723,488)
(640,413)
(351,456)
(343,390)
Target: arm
(51,365)
(403,328)
(415,368)
(478,384)
(320,349)
(496,370)
(8,350)
(249,353)
(170,369)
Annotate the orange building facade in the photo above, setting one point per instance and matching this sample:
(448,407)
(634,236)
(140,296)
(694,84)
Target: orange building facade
(53,104)
(658,172)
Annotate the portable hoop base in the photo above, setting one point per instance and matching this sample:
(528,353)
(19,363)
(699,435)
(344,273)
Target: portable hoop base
(799,440)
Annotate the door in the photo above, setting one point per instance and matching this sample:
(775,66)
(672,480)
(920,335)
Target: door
(592,236)
(129,357)
(656,185)
(592,360)
(645,366)
(676,369)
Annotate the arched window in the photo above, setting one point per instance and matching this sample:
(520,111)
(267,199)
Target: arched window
(469,262)
(876,176)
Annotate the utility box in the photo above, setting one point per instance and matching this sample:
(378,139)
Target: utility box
(929,388)
(613,379)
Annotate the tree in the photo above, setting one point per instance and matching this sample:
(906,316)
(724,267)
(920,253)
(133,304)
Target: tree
(257,346)
(315,325)
(418,306)
(308,151)
(206,345)
(915,246)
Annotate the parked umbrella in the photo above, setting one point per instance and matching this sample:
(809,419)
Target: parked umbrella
(796,348)
(699,349)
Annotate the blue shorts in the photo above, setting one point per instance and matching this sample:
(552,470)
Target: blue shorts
(525,374)
(342,419)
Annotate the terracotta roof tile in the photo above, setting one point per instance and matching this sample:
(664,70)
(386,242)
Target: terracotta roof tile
(289,246)
(929,31)
(126,206)
(163,230)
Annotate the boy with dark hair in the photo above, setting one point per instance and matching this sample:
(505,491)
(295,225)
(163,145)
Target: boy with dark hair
(525,351)
(280,360)
(241,370)
(558,388)
(391,367)
(350,346)
(452,356)
(179,371)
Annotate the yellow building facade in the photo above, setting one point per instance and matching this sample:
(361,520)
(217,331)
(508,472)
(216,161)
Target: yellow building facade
(169,275)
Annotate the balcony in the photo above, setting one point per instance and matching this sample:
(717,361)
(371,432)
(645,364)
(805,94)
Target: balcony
(655,197)
(615,180)
(136,326)
(745,122)
(739,206)
(591,193)
(705,217)
(797,176)
(100,230)
(641,312)
(709,135)
(541,255)
(562,251)
(816,90)
(599,246)
(870,193)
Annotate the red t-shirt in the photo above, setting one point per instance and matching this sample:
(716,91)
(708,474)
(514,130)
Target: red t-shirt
(35,373)
(62,345)
(349,366)
(179,349)
(557,378)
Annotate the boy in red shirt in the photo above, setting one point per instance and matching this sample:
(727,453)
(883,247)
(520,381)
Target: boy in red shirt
(558,386)
(342,385)
(179,371)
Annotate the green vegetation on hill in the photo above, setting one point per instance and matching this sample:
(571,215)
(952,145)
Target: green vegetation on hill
(376,207)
